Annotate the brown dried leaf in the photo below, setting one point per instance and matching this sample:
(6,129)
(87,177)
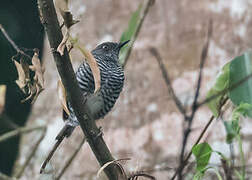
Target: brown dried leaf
(38,69)
(37,86)
(2,97)
(62,45)
(62,96)
(31,92)
(93,65)
(23,74)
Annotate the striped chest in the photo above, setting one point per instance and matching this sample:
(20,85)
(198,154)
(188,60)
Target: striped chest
(112,80)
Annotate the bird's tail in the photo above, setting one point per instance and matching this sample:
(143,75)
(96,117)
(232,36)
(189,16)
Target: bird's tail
(66,131)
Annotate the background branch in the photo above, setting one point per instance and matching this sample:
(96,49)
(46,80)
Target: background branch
(13,43)
(5,177)
(20,170)
(145,10)
(19,131)
(166,77)
(70,160)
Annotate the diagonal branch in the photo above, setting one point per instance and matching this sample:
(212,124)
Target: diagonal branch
(21,170)
(166,77)
(19,131)
(13,43)
(143,14)
(202,62)
(189,118)
(224,91)
(69,161)
(74,95)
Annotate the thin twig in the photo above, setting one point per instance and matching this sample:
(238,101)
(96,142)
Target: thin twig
(33,151)
(189,119)
(13,43)
(143,14)
(70,160)
(166,77)
(222,103)
(19,131)
(5,177)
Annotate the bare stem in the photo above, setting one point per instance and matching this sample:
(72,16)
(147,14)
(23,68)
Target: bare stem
(70,160)
(166,77)
(33,151)
(223,102)
(19,131)
(5,177)
(13,43)
(143,14)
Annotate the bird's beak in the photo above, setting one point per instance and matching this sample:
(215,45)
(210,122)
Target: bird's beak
(121,44)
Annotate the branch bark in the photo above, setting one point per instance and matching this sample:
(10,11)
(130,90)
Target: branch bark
(74,95)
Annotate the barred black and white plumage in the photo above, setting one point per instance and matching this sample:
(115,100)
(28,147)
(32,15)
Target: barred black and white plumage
(112,80)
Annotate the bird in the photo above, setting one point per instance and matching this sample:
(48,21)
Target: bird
(112,81)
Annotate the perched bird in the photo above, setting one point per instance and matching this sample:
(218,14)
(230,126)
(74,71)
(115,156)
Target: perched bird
(112,80)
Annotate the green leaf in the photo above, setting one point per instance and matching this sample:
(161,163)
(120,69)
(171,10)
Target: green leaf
(198,176)
(221,83)
(129,32)
(242,110)
(232,127)
(202,153)
(241,67)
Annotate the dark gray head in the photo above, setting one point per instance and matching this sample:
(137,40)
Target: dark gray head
(108,51)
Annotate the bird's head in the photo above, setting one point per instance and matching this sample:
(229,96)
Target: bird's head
(108,51)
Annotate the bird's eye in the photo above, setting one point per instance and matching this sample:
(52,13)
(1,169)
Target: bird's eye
(104,47)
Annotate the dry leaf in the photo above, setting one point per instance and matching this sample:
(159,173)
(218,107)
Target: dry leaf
(23,75)
(37,85)
(32,88)
(31,92)
(93,65)
(38,69)
(2,97)
(62,45)
(62,96)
